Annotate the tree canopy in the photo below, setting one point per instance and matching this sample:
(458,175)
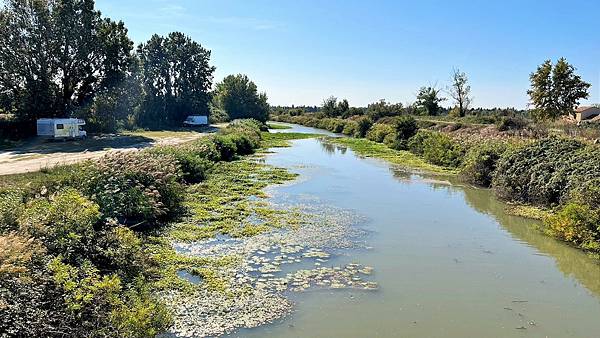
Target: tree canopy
(460,91)
(428,100)
(55,55)
(556,89)
(238,97)
(177,78)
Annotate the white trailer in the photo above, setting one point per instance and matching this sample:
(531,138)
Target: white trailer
(61,128)
(196,121)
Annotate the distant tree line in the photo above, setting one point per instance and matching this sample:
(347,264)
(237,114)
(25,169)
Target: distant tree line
(555,91)
(62,58)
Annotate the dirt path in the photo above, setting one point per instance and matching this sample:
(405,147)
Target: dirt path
(38,155)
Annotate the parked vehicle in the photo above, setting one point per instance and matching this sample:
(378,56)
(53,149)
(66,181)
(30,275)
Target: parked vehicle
(61,128)
(196,121)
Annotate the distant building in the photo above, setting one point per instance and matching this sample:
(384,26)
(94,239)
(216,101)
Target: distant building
(586,112)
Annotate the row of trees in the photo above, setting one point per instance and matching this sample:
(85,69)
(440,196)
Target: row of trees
(555,91)
(62,58)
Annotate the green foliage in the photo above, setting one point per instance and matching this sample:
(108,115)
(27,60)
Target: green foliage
(416,143)
(11,207)
(177,77)
(141,314)
(556,89)
(406,127)
(226,146)
(511,123)
(381,109)
(428,100)
(480,163)
(239,98)
(134,187)
(379,131)
(58,54)
(350,128)
(363,124)
(576,223)
(87,294)
(65,223)
(437,148)
(545,172)
(192,162)
(122,252)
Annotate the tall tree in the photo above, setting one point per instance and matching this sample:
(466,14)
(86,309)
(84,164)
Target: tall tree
(343,107)
(239,98)
(56,54)
(460,91)
(329,107)
(556,89)
(428,100)
(177,78)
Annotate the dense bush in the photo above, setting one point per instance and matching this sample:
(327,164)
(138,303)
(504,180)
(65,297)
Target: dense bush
(480,163)
(64,223)
(416,143)
(11,207)
(134,187)
(350,128)
(544,172)
(363,124)
(576,223)
(406,127)
(509,123)
(441,150)
(379,131)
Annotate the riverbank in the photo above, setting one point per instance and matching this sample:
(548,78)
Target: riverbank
(565,200)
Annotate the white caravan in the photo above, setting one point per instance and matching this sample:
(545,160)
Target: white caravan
(61,128)
(196,121)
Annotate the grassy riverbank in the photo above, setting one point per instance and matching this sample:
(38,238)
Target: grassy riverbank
(553,179)
(87,249)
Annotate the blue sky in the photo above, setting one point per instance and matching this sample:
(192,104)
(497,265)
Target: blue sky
(300,52)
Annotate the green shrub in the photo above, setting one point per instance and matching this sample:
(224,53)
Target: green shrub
(350,128)
(511,123)
(192,163)
(544,172)
(379,131)
(576,223)
(141,314)
(121,251)
(64,222)
(11,207)
(244,144)
(135,187)
(88,296)
(441,150)
(226,147)
(406,127)
(480,163)
(416,143)
(363,124)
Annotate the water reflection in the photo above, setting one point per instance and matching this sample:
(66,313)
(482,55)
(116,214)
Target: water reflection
(572,263)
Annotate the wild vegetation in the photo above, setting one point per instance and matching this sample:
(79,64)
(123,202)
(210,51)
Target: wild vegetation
(84,248)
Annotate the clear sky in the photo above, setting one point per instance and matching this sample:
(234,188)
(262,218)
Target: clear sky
(300,52)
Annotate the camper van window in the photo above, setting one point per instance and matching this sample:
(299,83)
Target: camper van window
(60,126)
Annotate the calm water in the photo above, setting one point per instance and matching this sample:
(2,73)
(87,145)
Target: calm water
(450,262)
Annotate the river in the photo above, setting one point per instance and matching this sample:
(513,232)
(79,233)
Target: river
(448,260)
